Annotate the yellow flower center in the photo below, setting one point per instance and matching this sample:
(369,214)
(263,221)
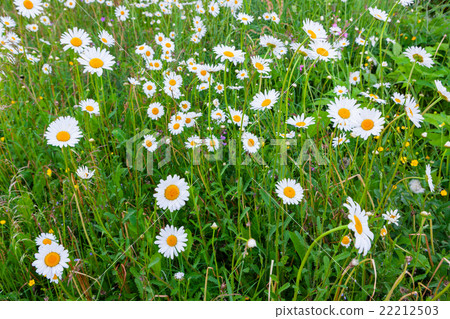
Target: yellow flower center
(312,34)
(289,192)
(122,13)
(367,124)
(149,87)
(172,240)
(266,102)
(172,82)
(76,42)
(155,111)
(228,54)
(148,143)
(322,52)
(345,240)
(96,63)
(148,53)
(172,192)
(373,96)
(104,40)
(28,4)
(358,225)
(203,72)
(236,118)
(89,108)
(397,100)
(168,45)
(300,124)
(46,241)
(418,57)
(52,259)
(63,136)
(251,142)
(344,113)
(355,78)
(176,126)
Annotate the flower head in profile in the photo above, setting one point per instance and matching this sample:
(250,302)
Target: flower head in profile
(442,90)
(359,225)
(428,177)
(171,241)
(172,193)
(83,172)
(227,53)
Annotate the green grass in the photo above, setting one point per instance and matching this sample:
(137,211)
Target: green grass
(109,223)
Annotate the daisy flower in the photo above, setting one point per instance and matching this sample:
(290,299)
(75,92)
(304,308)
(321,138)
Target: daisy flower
(264,101)
(84,173)
(383,231)
(32,27)
(339,140)
(214,8)
(367,122)
(8,22)
(412,111)
(185,105)
(322,50)
(149,88)
(45,239)
(90,106)
(378,14)
(176,127)
(64,131)
(193,142)
(245,18)
(96,60)
(218,115)
(290,192)
(51,260)
(106,38)
(268,41)
(47,69)
(314,30)
(398,98)
(345,241)
(250,142)
(242,74)
(171,241)
(340,90)
(392,217)
(419,56)
(76,39)
(359,225)
(238,118)
(122,13)
(354,78)
(342,112)
(172,193)
(301,121)
(227,53)
(173,81)
(373,97)
(442,90)
(261,65)
(29,8)
(428,177)
(150,143)
(212,143)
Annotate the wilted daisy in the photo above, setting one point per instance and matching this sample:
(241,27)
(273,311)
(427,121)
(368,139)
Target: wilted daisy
(342,112)
(264,101)
(51,260)
(290,192)
(29,8)
(83,172)
(359,225)
(442,90)
(367,122)
(90,106)
(96,60)
(155,111)
(378,14)
(45,239)
(419,56)
(76,39)
(150,143)
(392,217)
(172,193)
(301,121)
(428,177)
(345,241)
(250,142)
(171,241)
(64,131)
(227,53)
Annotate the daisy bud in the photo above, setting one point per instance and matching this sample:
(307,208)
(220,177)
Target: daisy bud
(425,214)
(329,77)
(384,64)
(214,226)
(354,262)
(447,144)
(251,243)
(91,140)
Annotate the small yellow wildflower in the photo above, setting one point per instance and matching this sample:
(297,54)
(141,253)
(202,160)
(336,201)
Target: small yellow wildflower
(414,162)
(49,172)
(31,283)
(443,192)
(2,222)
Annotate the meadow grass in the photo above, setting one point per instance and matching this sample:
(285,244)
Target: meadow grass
(109,223)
